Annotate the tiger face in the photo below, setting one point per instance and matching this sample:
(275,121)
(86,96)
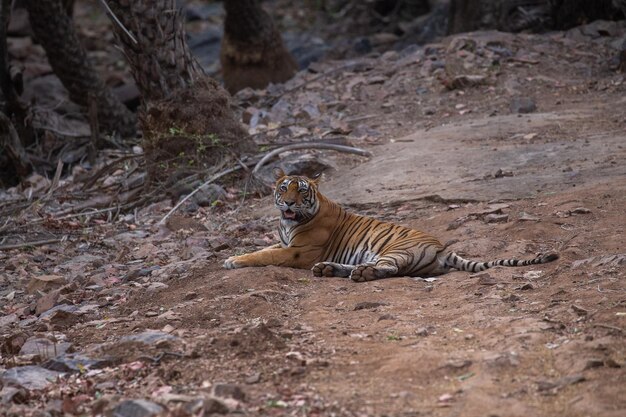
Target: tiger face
(296,197)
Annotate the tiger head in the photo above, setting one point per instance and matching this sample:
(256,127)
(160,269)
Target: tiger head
(296,197)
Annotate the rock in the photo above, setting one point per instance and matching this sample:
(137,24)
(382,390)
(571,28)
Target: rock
(369,304)
(136,408)
(148,337)
(525,217)
(6,321)
(579,310)
(233,391)
(61,319)
(29,377)
(45,283)
(522,105)
(10,394)
(511,298)
(43,347)
(66,308)
(76,362)
(206,407)
(466,81)
(13,343)
(486,279)
(422,331)
(496,218)
(580,210)
(254,378)
(46,302)
(596,261)
(552,387)
(209,194)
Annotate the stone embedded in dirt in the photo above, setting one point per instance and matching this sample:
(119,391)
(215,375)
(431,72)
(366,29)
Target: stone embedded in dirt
(466,81)
(13,343)
(579,310)
(455,224)
(207,407)
(76,362)
(580,210)
(500,173)
(369,304)
(593,363)
(522,105)
(525,217)
(62,319)
(233,391)
(149,337)
(491,209)
(137,408)
(46,302)
(208,194)
(45,283)
(422,331)
(487,279)
(496,218)
(253,379)
(156,287)
(526,286)
(387,317)
(190,295)
(44,347)
(552,387)
(596,261)
(531,275)
(511,298)
(29,377)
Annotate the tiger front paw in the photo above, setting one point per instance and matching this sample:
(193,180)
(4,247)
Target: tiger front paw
(233,263)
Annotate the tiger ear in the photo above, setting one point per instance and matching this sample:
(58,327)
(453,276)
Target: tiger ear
(278,173)
(316,178)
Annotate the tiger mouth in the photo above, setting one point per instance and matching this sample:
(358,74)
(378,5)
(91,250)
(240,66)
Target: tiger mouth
(289,215)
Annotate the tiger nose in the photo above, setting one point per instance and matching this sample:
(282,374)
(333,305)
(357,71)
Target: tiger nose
(290,203)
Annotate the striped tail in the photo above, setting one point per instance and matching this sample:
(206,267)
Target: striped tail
(455,261)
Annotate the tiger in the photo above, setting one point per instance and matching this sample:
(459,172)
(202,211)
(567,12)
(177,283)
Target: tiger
(317,233)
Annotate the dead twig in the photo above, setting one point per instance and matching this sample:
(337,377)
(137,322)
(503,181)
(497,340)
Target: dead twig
(308,145)
(117,21)
(608,326)
(30,244)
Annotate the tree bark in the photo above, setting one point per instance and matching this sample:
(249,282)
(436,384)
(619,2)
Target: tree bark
(185,115)
(11,82)
(253,53)
(55,30)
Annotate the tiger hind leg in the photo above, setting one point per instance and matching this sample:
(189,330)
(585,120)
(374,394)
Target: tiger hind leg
(332,269)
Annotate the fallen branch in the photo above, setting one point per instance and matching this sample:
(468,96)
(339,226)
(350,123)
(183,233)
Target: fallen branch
(608,326)
(30,244)
(308,145)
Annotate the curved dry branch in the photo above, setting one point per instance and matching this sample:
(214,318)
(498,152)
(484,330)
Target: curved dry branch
(308,145)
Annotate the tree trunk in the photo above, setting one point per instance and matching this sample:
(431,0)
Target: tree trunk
(14,162)
(186,116)
(55,30)
(253,53)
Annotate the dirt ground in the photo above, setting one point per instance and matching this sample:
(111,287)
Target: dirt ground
(458,163)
